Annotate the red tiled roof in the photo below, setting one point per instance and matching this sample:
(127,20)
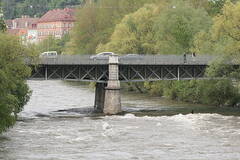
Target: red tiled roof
(66,14)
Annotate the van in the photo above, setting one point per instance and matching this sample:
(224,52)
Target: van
(49,54)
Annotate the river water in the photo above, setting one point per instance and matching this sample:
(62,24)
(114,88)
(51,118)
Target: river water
(151,128)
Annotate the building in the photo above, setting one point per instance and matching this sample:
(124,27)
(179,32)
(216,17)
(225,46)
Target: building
(55,23)
(9,23)
(24,27)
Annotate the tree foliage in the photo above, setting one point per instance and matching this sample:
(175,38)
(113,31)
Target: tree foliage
(53,44)
(222,39)
(224,36)
(213,92)
(135,33)
(2,24)
(14,92)
(166,28)
(177,25)
(96,22)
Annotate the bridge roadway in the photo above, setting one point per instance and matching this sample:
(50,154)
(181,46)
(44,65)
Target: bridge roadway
(107,73)
(140,68)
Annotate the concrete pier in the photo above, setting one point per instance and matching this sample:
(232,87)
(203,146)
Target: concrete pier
(112,104)
(99,97)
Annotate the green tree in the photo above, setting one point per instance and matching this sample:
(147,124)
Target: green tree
(53,44)
(224,40)
(224,36)
(14,92)
(177,25)
(134,34)
(219,92)
(96,22)
(2,24)
(215,6)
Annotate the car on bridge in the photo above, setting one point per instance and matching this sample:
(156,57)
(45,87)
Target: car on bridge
(49,54)
(102,55)
(132,57)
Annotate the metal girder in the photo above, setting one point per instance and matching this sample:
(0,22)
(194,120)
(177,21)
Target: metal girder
(153,72)
(169,72)
(99,73)
(53,73)
(186,72)
(199,71)
(71,74)
(37,72)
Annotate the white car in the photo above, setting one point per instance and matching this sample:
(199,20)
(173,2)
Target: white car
(102,55)
(49,54)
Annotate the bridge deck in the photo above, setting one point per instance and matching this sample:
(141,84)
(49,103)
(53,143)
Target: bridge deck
(141,68)
(139,60)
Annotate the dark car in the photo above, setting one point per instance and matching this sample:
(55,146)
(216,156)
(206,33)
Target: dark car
(102,55)
(132,56)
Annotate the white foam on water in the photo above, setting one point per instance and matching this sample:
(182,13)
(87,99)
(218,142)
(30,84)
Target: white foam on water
(107,130)
(129,116)
(106,126)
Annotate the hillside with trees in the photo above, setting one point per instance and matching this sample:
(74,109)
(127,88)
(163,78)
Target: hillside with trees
(16,8)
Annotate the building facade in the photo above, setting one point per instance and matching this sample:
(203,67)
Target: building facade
(56,23)
(24,27)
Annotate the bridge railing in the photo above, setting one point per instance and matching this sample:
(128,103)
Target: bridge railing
(71,60)
(124,60)
(167,60)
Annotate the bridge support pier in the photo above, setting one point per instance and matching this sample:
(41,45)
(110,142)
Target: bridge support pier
(112,104)
(99,97)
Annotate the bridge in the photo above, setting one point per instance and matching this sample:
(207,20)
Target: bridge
(108,73)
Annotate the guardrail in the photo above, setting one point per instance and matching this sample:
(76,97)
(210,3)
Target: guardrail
(124,60)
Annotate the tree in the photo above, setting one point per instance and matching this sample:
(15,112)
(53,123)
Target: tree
(14,92)
(224,36)
(53,44)
(177,25)
(2,24)
(215,6)
(134,34)
(222,39)
(96,22)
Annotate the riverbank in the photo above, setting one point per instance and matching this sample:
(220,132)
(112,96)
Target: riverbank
(138,92)
(207,92)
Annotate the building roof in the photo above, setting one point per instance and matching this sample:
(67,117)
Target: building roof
(66,14)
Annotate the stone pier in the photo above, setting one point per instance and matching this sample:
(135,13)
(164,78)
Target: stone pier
(112,103)
(99,97)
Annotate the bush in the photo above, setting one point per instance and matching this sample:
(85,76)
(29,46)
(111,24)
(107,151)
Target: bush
(14,92)
(212,92)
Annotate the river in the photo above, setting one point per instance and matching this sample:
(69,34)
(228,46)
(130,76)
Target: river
(50,128)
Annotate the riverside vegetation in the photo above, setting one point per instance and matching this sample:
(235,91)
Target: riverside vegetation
(14,92)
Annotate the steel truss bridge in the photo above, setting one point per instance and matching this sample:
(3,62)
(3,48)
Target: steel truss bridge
(139,68)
